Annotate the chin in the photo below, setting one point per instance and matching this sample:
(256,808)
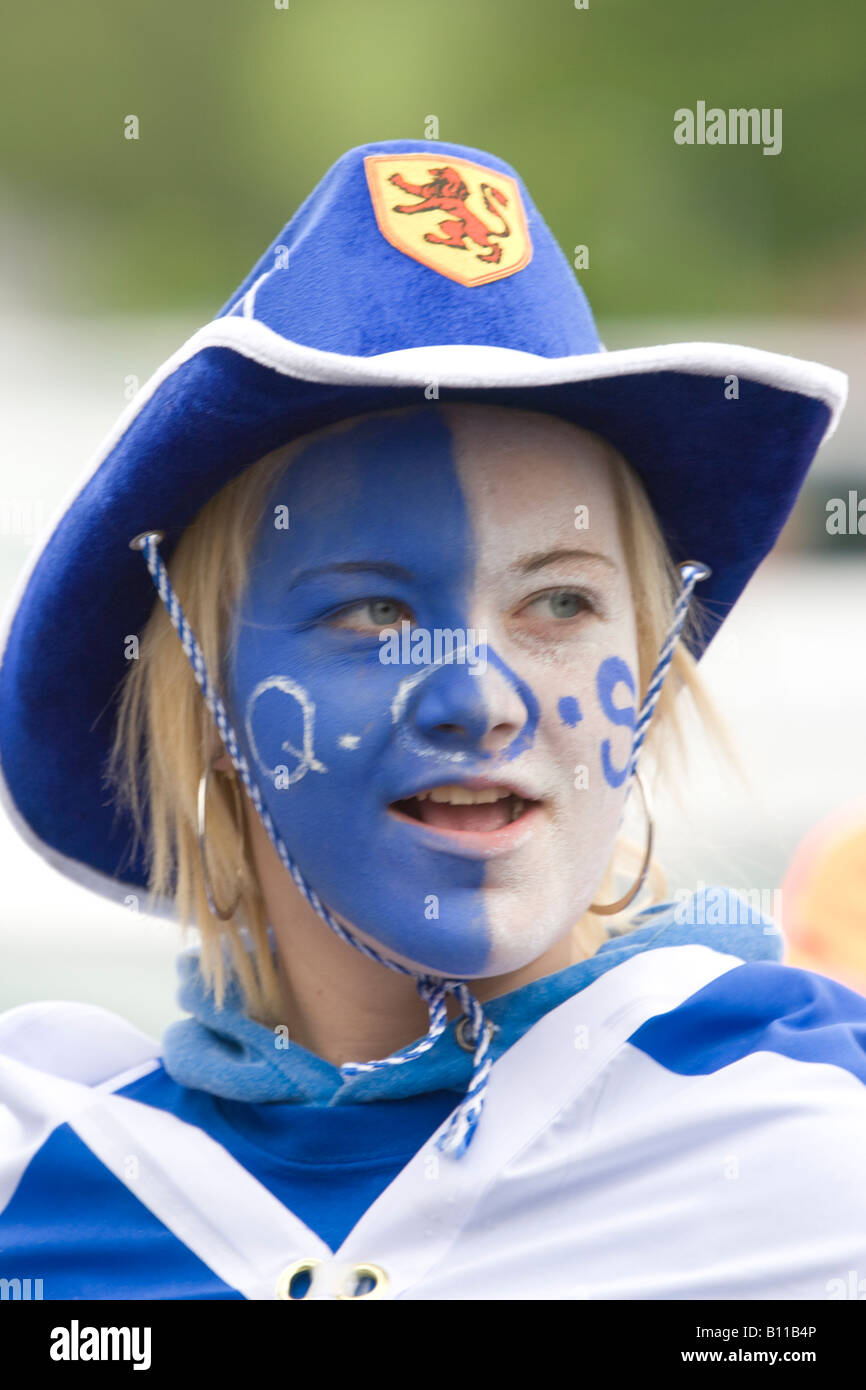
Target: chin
(523,926)
(480,933)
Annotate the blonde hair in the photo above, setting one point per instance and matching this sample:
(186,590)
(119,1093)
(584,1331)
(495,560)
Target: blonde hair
(164,734)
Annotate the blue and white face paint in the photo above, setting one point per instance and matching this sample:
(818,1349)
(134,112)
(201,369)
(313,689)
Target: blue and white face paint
(431,676)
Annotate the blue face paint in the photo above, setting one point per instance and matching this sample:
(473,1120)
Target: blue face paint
(613,672)
(569,711)
(333,734)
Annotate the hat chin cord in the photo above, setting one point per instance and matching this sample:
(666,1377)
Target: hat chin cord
(462,1123)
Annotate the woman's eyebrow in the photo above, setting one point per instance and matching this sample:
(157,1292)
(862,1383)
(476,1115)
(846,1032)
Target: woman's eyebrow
(528,564)
(354,567)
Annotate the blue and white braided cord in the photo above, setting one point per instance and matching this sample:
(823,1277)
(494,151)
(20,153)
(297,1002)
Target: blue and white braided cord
(691,573)
(463,1122)
(457,1136)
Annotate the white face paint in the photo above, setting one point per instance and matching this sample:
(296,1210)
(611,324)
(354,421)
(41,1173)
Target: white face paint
(469,811)
(522,478)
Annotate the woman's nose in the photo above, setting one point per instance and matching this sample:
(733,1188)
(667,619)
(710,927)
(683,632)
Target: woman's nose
(456,709)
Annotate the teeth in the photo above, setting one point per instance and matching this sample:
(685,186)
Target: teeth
(455,795)
(517,808)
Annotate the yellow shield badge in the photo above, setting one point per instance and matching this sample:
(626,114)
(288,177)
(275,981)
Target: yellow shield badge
(459,218)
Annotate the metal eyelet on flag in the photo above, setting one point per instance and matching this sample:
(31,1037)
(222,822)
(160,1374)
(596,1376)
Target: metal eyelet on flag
(367,1271)
(288,1276)
(466,1042)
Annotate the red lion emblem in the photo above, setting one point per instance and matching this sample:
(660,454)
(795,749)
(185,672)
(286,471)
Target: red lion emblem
(447,192)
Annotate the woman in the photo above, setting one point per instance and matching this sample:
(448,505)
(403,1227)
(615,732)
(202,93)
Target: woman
(432,553)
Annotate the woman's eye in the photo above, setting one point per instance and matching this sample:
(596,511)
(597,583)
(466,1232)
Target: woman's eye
(373,614)
(562,603)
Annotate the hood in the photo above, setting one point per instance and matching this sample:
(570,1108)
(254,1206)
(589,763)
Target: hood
(230,1055)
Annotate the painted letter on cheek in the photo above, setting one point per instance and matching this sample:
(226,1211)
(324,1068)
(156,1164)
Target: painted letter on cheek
(612,672)
(569,711)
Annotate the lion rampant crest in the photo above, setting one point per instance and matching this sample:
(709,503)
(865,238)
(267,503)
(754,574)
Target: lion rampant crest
(460,208)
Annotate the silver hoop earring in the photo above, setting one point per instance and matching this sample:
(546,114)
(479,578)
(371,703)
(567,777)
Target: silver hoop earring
(224,914)
(607,909)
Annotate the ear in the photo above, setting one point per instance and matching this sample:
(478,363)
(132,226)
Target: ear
(223,763)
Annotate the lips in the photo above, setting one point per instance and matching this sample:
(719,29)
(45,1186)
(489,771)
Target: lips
(455,806)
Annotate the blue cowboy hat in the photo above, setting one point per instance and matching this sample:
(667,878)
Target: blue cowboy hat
(410,263)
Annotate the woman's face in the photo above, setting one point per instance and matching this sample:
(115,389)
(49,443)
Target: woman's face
(435,677)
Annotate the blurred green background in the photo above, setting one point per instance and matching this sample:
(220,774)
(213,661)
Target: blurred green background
(114,251)
(242,108)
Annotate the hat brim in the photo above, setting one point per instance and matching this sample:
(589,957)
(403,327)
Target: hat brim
(722,470)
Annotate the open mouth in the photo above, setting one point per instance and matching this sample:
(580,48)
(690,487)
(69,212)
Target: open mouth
(456,807)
